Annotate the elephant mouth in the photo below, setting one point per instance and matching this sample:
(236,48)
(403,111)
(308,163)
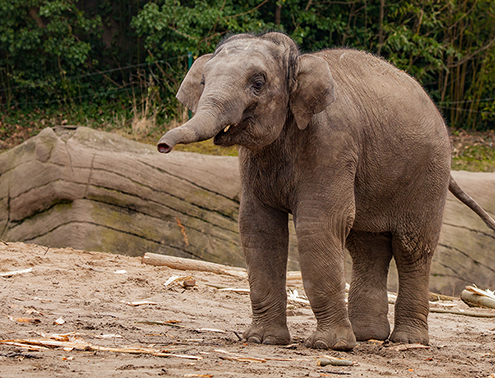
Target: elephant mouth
(224,133)
(225,136)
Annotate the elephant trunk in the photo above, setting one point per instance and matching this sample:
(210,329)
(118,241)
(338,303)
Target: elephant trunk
(211,118)
(200,127)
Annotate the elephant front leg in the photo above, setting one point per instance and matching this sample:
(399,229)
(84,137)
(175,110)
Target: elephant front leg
(265,238)
(321,251)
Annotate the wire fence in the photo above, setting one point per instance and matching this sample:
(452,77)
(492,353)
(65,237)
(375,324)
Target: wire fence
(75,81)
(131,87)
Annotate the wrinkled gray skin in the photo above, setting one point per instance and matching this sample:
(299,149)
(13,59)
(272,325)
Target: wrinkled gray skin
(356,151)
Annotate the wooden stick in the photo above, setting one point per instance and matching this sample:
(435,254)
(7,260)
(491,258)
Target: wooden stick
(190,264)
(440,297)
(15,272)
(464,313)
(84,346)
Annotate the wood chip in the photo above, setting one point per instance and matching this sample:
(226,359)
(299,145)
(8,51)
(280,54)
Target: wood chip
(176,278)
(189,283)
(25,320)
(139,303)
(404,347)
(232,289)
(327,360)
(375,342)
(15,272)
(211,330)
(169,323)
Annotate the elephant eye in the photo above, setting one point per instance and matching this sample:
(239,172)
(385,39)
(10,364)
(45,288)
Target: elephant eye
(258,82)
(202,82)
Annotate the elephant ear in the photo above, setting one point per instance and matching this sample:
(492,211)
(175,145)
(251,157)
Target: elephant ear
(314,90)
(191,88)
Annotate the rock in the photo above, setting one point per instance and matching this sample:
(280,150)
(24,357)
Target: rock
(86,189)
(466,251)
(98,191)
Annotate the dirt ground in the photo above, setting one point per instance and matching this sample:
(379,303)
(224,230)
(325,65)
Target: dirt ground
(79,301)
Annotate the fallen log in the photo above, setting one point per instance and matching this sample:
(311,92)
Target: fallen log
(475,297)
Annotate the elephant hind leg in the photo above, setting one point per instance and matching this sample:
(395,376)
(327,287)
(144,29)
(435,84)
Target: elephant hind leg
(368,301)
(413,253)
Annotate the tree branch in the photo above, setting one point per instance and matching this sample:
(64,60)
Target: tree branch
(470,56)
(249,11)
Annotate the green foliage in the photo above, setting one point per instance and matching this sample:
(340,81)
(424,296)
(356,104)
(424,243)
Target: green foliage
(174,28)
(42,41)
(475,158)
(89,53)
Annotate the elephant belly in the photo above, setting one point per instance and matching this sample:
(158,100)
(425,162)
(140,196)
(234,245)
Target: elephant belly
(402,207)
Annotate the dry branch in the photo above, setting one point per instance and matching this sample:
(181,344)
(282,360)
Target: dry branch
(81,345)
(434,297)
(241,358)
(402,348)
(464,313)
(190,264)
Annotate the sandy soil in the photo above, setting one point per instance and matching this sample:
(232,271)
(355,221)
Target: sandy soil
(88,293)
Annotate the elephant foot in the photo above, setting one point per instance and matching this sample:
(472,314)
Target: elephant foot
(339,338)
(377,328)
(409,335)
(267,334)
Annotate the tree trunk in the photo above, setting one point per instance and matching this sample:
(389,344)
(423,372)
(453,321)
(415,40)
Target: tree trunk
(380,27)
(278,14)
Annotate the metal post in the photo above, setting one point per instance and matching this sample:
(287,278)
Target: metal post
(189,64)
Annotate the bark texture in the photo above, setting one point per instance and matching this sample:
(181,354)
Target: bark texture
(81,188)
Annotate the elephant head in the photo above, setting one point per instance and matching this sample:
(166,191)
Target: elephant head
(243,93)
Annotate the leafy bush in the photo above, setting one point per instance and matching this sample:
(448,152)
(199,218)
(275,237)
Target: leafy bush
(64,54)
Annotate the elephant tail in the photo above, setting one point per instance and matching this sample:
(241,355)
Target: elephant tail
(456,190)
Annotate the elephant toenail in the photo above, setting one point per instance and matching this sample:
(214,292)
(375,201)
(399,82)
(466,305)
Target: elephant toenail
(254,339)
(320,344)
(269,341)
(341,345)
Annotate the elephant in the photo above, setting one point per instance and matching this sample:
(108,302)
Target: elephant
(356,151)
